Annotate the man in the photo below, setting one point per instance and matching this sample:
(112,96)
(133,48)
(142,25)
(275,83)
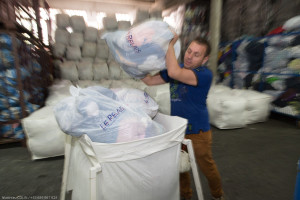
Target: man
(189,86)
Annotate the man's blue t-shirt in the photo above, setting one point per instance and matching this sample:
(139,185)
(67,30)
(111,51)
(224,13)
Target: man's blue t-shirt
(189,101)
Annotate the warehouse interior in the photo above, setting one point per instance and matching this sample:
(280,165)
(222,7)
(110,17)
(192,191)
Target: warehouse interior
(47,47)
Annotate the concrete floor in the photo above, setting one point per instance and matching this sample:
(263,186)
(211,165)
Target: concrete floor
(258,162)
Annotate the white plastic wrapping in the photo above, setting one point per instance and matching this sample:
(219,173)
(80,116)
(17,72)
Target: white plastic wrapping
(138,99)
(44,137)
(142,48)
(97,112)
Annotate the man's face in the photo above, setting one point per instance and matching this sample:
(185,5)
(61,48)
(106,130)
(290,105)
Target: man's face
(195,55)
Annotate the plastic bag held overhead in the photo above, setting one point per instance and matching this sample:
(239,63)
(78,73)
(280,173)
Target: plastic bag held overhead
(142,49)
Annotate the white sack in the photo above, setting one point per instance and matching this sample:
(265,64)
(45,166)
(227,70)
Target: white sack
(89,49)
(58,91)
(141,49)
(292,24)
(226,111)
(59,50)
(76,39)
(62,20)
(100,70)
(114,70)
(87,59)
(44,137)
(85,70)
(68,71)
(77,23)
(124,25)
(161,95)
(97,112)
(90,34)
(110,23)
(62,36)
(129,170)
(102,50)
(257,105)
(73,53)
(138,99)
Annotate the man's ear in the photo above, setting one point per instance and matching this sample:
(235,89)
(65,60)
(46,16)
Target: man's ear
(205,59)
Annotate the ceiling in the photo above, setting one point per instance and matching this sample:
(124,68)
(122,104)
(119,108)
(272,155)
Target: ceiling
(113,6)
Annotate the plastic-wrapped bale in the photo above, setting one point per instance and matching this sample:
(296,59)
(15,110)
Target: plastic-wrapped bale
(124,25)
(226,111)
(142,48)
(90,34)
(68,71)
(292,23)
(76,39)
(97,112)
(119,84)
(258,105)
(89,49)
(85,70)
(156,14)
(102,49)
(59,50)
(100,70)
(62,36)
(161,95)
(87,83)
(44,137)
(87,59)
(124,75)
(114,70)
(77,23)
(110,23)
(73,53)
(135,83)
(141,16)
(137,98)
(58,91)
(62,20)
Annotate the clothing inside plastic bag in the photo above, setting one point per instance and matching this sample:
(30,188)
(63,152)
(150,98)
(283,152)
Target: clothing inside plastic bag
(141,49)
(97,112)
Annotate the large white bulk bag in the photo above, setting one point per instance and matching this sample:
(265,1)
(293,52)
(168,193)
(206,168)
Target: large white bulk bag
(76,39)
(145,169)
(257,105)
(62,36)
(68,70)
(89,49)
(85,70)
(58,91)
(73,53)
(226,111)
(161,95)
(44,137)
(90,34)
(100,70)
(77,23)
(62,20)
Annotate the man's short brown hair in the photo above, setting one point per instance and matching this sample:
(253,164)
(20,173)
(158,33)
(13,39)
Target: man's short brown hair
(203,41)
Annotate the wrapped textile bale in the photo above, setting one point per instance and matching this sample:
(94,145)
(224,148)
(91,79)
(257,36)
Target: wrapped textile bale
(89,49)
(124,25)
(68,70)
(62,36)
(114,70)
(87,59)
(161,95)
(58,91)
(102,50)
(87,83)
(106,83)
(119,84)
(62,20)
(90,34)
(135,84)
(77,23)
(226,111)
(85,70)
(44,137)
(124,75)
(76,39)
(156,14)
(73,53)
(110,23)
(141,16)
(100,70)
(59,50)
(257,105)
